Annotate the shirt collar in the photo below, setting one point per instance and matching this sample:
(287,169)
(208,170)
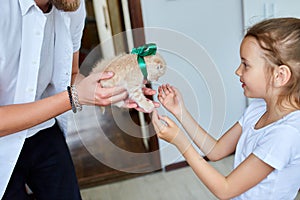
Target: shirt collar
(25,5)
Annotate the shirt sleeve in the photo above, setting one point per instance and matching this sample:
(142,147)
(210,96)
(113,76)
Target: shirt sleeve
(277,146)
(77,25)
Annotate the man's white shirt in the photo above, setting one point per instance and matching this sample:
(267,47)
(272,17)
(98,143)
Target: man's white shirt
(28,72)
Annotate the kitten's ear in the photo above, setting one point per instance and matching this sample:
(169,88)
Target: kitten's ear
(158,59)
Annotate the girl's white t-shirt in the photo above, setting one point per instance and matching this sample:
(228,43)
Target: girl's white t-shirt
(278,145)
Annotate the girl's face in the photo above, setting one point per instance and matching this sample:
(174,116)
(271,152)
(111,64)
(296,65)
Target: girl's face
(252,70)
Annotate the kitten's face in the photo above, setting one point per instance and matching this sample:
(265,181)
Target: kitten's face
(156,67)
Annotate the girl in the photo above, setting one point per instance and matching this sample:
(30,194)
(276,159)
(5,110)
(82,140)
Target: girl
(266,140)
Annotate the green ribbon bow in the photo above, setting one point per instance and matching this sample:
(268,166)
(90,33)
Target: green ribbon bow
(142,51)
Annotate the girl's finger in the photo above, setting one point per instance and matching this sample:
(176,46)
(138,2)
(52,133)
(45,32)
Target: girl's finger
(160,98)
(156,122)
(161,95)
(167,120)
(165,89)
(170,88)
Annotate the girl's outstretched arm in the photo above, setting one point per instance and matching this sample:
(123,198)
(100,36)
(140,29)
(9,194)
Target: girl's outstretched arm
(172,100)
(246,175)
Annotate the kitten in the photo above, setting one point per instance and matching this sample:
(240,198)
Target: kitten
(129,75)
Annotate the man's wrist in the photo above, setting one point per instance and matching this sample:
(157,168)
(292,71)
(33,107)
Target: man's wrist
(74,100)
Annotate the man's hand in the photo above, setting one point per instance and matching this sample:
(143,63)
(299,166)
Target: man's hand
(91,92)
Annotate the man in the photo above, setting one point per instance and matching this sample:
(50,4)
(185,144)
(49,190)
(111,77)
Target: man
(39,50)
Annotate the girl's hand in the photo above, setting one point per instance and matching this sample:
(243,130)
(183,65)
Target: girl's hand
(171,99)
(167,130)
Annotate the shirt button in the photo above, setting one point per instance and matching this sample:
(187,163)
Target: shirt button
(38,33)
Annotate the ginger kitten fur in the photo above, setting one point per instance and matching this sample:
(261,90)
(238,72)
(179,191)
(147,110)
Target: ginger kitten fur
(129,75)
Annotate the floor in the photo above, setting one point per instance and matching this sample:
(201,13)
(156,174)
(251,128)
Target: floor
(94,137)
(179,184)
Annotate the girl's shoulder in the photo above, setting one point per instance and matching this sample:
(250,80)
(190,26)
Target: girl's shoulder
(292,120)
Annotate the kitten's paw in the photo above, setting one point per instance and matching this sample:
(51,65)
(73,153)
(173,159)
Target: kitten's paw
(102,108)
(120,104)
(148,106)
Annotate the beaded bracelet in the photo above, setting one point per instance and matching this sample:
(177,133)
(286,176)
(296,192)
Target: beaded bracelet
(76,102)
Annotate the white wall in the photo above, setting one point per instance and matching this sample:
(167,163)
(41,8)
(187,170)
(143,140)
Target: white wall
(256,10)
(200,41)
